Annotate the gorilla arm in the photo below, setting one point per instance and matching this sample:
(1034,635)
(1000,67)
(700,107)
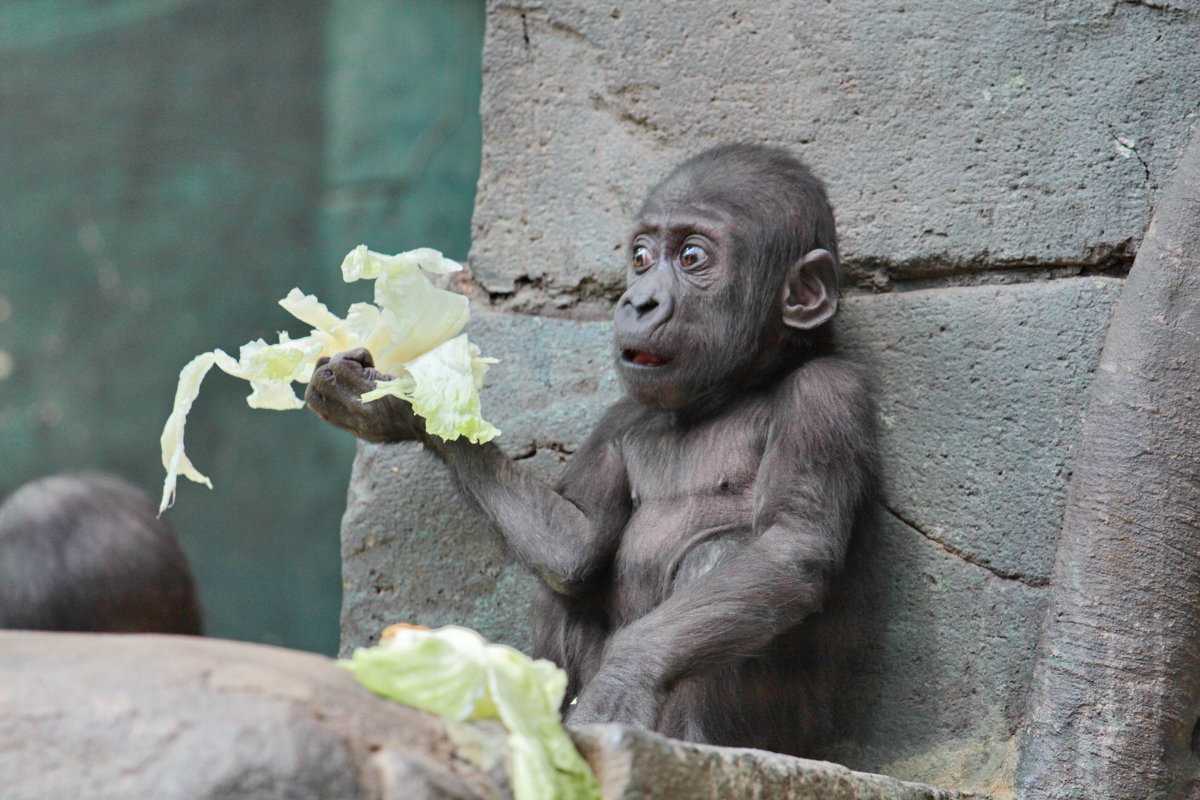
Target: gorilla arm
(563,536)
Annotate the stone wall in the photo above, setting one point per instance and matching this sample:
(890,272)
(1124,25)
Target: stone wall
(954,137)
(993,168)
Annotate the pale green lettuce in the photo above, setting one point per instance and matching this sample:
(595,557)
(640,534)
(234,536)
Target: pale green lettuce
(443,387)
(454,673)
(413,332)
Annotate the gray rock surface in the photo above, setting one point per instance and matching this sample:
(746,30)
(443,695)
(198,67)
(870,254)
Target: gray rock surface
(981,391)
(937,689)
(953,136)
(634,764)
(176,718)
(981,396)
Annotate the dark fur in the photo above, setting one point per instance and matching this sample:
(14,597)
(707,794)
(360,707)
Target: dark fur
(691,551)
(87,553)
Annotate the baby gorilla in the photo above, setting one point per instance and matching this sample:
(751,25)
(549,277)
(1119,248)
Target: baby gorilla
(692,552)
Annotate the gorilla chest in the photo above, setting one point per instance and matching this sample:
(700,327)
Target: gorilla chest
(693,505)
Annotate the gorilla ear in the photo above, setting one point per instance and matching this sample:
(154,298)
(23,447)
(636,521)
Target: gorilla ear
(810,291)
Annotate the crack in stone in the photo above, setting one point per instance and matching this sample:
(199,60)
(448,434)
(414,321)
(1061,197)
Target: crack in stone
(884,275)
(524,27)
(524,10)
(1131,146)
(1147,4)
(590,299)
(593,298)
(956,552)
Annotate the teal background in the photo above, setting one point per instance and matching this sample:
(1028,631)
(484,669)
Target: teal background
(168,171)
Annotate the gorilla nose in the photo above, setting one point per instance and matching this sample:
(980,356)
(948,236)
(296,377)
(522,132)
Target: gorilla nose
(644,306)
(648,309)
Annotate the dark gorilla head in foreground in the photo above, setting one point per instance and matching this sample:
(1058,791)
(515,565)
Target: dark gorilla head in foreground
(733,278)
(87,553)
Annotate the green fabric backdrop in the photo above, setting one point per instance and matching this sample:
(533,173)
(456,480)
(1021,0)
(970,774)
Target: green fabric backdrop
(168,170)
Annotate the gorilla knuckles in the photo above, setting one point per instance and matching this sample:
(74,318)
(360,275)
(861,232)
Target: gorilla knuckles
(692,553)
(334,393)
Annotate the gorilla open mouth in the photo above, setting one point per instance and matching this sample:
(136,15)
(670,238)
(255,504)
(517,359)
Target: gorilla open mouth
(644,358)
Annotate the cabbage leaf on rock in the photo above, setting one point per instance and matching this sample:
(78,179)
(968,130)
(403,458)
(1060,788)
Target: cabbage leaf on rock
(453,672)
(413,330)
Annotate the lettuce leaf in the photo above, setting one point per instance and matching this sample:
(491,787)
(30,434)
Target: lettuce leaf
(455,673)
(174,460)
(443,387)
(413,332)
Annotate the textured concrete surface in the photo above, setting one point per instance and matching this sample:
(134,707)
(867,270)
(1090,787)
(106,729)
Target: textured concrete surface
(981,391)
(634,764)
(113,717)
(953,136)
(937,688)
(981,396)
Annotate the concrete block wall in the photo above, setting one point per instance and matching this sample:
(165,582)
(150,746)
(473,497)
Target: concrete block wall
(953,136)
(993,167)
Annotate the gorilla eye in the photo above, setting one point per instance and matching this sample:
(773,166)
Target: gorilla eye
(692,256)
(641,257)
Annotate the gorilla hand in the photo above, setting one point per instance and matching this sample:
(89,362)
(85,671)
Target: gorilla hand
(627,697)
(334,395)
